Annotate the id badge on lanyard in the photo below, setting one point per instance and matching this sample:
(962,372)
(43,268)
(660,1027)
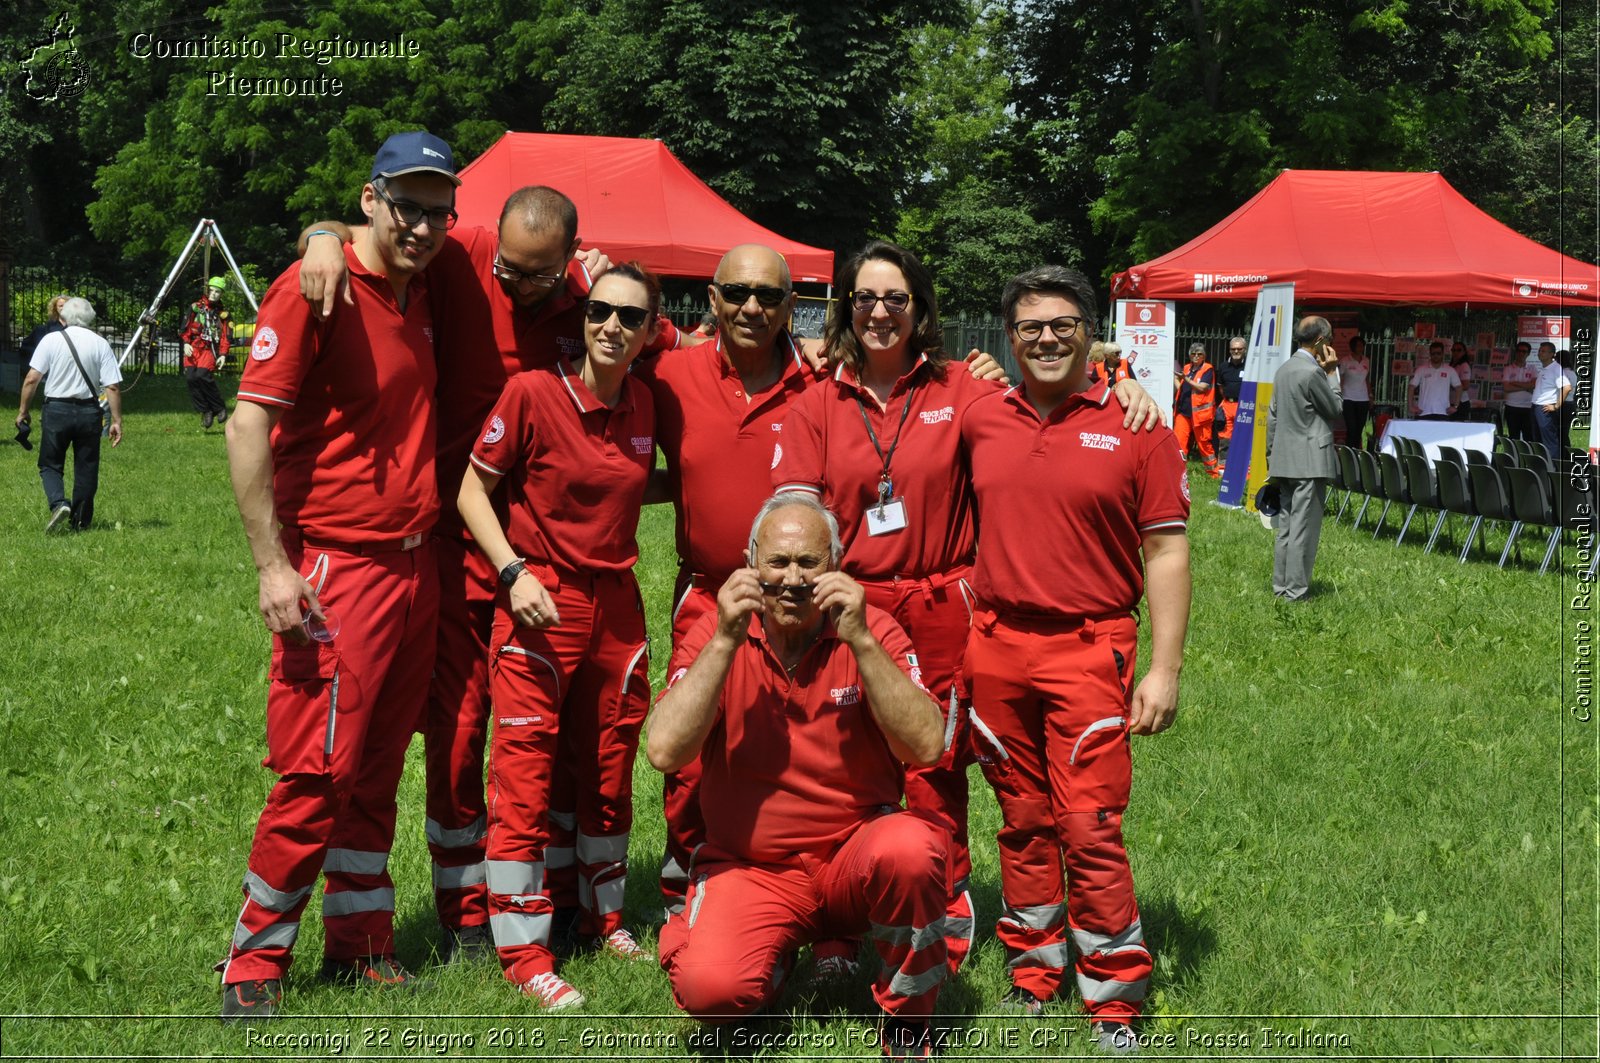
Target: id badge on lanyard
(888,514)
(887,518)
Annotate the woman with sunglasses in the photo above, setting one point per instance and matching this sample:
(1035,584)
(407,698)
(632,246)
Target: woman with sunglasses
(574,446)
(880,443)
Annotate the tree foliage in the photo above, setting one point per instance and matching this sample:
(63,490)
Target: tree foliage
(969,213)
(1171,113)
(986,134)
(790,111)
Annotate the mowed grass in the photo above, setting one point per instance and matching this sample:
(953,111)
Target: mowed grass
(1372,831)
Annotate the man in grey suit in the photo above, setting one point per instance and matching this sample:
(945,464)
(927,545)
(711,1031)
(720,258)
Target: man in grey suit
(1305,406)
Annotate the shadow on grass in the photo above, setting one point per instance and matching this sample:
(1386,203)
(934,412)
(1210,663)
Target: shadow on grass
(1179,943)
(417,938)
(166,393)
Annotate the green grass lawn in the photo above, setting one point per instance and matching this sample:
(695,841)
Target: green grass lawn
(1372,832)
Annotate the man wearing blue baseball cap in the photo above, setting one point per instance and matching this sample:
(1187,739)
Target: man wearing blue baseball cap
(331,448)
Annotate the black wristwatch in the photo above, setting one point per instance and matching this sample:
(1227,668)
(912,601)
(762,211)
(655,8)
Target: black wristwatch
(509,574)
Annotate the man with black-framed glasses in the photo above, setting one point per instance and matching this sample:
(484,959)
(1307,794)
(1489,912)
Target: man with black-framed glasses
(1078,521)
(331,449)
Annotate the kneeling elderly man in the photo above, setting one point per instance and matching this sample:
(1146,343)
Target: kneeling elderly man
(803,703)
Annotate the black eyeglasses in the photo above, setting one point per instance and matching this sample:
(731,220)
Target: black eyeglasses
(894,302)
(411,214)
(739,294)
(519,278)
(598,312)
(1064,327)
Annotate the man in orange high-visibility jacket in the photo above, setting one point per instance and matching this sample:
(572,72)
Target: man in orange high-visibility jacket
(1196,407)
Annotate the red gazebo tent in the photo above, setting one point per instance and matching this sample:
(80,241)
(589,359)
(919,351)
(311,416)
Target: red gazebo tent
(1347,237)
(635,201)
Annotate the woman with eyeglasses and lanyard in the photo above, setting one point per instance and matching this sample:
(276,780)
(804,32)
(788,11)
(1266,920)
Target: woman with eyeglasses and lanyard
(574,446)
(880,443)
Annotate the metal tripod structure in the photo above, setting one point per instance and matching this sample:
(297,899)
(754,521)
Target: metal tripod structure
(206,235)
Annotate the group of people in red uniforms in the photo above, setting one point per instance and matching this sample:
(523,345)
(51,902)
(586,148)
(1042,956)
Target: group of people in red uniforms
(445,441)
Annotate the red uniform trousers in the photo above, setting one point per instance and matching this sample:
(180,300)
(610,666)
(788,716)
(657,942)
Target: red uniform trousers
(339,718)
(455,729)
(728,952)
(680,790)
(936,613)
(586,683)
(1230,413)
(1197,426)
(1049,703)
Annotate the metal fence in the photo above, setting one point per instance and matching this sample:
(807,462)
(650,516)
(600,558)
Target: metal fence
(27,291)
(117,307)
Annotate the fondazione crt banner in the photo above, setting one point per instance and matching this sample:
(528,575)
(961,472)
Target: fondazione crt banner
(1271,344)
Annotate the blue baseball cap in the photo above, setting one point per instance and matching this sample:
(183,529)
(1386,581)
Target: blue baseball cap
(415,152)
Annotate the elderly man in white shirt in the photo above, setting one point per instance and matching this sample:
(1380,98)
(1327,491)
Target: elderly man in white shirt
(1549,392)
(75,364)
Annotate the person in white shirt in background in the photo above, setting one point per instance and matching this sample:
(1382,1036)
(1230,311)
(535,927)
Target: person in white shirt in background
(1353,369)
(1569,405)
(1518,389)
(1549,392)
(1435,389)
(74,363)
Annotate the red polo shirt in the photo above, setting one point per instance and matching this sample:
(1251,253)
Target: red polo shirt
(718,447)
(574,470)
(826,449)
(353,450)
(486,339)
(1063,503)
(794,765)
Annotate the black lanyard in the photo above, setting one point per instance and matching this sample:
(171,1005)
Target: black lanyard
(885,484)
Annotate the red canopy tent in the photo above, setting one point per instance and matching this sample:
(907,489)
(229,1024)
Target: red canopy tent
(635,201)
(1350,236)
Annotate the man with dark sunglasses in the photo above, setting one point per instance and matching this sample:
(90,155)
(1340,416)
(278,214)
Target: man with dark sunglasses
(331,448)
(505,301)
(719,410)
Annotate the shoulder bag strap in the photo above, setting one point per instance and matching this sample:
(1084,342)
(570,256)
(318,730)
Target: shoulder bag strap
(94,389)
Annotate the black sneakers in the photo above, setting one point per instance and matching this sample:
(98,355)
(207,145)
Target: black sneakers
(251,1001)
(371,971)
(466,944)
(1018,1001)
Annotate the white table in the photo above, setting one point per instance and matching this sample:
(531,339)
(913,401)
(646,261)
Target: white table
(1463,435)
